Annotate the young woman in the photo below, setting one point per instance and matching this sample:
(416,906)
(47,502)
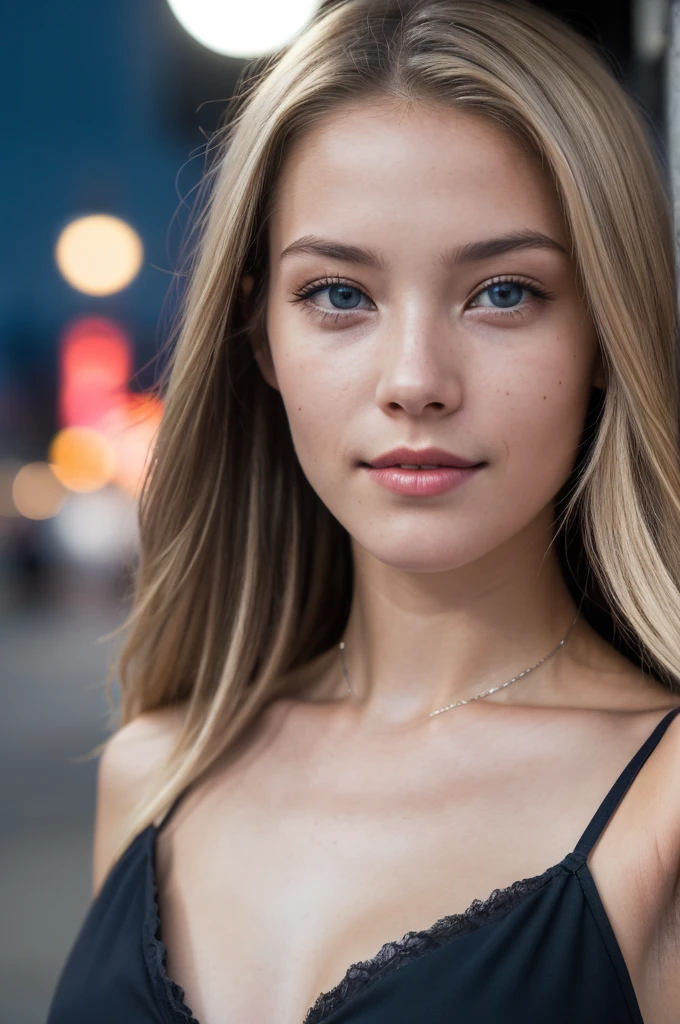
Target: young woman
(406,618)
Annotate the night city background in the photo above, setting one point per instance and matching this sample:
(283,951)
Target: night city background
(107,110)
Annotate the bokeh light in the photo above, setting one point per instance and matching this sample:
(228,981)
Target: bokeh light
(36,492)
(99,254)
(131,428)
(98,529)
(83,459)
(238,29)
(95,369)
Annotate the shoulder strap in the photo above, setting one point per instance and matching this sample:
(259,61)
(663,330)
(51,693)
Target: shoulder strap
(171,810)
(618,790)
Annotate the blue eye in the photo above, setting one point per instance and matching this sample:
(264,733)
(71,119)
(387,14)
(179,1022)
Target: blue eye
(506,293)
(344,296)
(502,295)
(510,295)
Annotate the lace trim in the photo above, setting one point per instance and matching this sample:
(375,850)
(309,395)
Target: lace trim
(390,957)
(156,947)
(393,955)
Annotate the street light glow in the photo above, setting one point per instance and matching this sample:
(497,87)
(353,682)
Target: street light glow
(36,492)
(82,458)
(238,29)
(99,254)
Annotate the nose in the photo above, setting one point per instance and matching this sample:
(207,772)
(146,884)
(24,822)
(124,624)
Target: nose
(420,367)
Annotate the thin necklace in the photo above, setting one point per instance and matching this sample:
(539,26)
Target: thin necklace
(486,693)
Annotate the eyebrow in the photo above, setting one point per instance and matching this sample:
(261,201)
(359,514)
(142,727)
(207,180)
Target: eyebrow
(312,245)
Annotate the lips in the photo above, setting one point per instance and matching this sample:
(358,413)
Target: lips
(420,457)
(422,482)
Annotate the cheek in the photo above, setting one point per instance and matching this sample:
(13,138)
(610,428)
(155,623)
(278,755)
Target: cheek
(540,421)
(319,405)
(323,386)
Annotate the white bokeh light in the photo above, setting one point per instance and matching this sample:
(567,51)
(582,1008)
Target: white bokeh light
(98,528)
(243,28)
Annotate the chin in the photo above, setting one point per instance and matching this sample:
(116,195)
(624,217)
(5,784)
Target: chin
(424,554)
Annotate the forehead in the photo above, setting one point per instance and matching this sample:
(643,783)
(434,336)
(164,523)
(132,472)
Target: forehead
(380,165)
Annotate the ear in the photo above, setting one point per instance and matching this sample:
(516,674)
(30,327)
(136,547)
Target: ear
(258,339)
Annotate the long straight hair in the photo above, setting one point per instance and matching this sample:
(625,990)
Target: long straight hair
(244,575)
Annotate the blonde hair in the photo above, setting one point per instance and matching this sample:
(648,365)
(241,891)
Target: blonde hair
(244,575)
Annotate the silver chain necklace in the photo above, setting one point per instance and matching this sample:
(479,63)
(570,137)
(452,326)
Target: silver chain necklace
(486,693)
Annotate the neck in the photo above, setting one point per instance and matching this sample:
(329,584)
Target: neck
(417,642)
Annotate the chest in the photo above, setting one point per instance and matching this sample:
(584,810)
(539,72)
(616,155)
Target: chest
(273,884)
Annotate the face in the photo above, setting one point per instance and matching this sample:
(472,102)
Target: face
(392,321)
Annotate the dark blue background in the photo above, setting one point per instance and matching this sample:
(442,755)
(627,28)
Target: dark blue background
(88,126)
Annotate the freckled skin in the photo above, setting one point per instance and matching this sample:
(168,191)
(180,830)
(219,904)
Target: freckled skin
(422,366)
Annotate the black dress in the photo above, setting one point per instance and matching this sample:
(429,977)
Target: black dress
(541,951)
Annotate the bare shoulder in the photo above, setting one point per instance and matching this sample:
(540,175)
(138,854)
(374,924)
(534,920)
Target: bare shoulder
(665,773)
(127,765)
(659,787)
(137,746)
(660,797)
(667,785)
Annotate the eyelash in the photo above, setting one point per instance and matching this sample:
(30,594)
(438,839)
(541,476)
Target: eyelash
(304,294)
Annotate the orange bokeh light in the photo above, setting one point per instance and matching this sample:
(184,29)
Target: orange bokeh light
(81,458)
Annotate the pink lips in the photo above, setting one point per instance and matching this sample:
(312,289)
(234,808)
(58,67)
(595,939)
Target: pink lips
(451,471)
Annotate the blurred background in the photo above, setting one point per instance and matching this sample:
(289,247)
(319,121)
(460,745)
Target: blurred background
(107,111)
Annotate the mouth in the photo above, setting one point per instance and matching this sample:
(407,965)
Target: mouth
(409,466)
(421,480)
(420,460)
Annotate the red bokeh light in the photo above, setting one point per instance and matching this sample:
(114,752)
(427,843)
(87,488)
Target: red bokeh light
(95,365)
